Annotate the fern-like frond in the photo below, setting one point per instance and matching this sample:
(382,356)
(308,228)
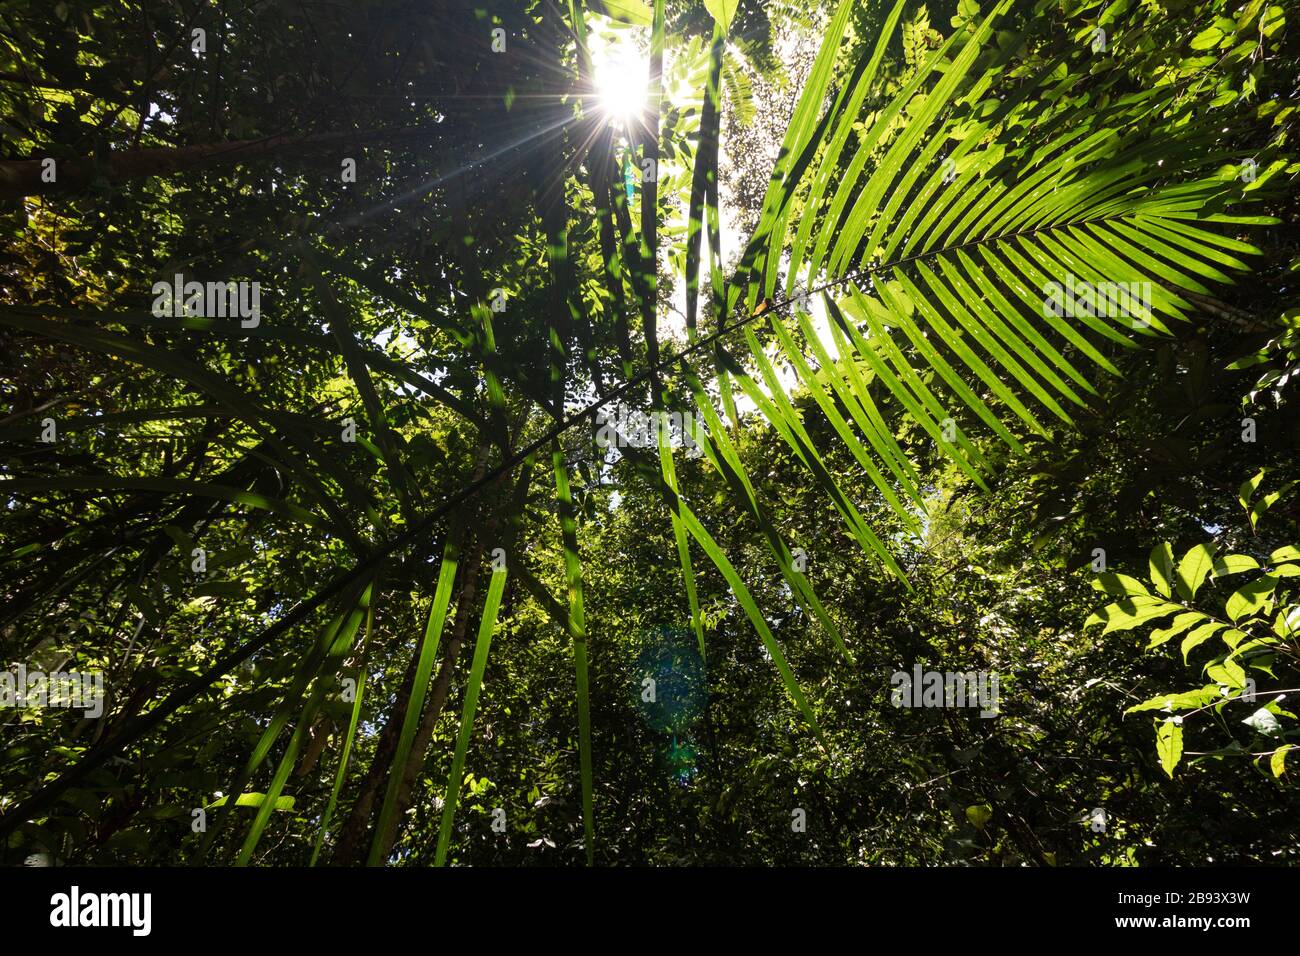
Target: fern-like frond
(987,241)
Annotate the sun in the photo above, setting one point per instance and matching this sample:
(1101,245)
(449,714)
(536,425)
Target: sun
(621,76)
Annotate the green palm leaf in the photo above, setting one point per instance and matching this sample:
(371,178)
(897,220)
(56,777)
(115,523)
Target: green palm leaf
(455,780)
(953,266)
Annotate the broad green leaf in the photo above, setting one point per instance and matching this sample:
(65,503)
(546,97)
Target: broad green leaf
(1251,599)
(252,800)
(1287,621)
(1234,564)
(723,11)
(1193,569)
(979,815)
(1128,614)
(1199,637)
(1120,585)
(1241,647)
(1162,568)
(1228,673)
(1272,21)
(1267,501)
(1232,637)
(1248,488)
(1181,623)
(1189,700)
(634,12)
(1277,763)
(1169,744)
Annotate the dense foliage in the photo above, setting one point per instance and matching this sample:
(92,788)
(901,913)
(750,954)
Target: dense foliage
(375,575)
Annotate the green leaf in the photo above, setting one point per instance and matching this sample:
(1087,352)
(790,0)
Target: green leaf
(1169,744)
(1193,569)
(723,456)
(252,800)
(979,815)
(746,601)
(1261,506)
(723,11)
(1228,673)
(1287,621)
(1181,623)
(1162,568)
(415,704)
(1233,637)
(1119,585)
(343,769)
(703,197)
(456,779)
(1252,598)
(1198,637)
(232,589)
(1207,39)
(333,653)
(1273,20)
(265,421)
(1234,564)
(1128,614)
(1248,488)
(578,622)
(333,639)
(1189,700)
(180,486)
(1277,763)
(635,12)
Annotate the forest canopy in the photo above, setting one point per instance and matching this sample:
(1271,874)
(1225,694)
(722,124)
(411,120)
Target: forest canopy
(649,432)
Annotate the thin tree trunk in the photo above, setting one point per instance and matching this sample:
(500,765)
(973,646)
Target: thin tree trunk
(349,849)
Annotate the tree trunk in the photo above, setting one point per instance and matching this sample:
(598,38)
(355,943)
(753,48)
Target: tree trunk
(350,850)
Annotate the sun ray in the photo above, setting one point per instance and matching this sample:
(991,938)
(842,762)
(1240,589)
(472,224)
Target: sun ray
(622,83)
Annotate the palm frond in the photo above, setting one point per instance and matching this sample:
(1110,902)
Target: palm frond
(956,272)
